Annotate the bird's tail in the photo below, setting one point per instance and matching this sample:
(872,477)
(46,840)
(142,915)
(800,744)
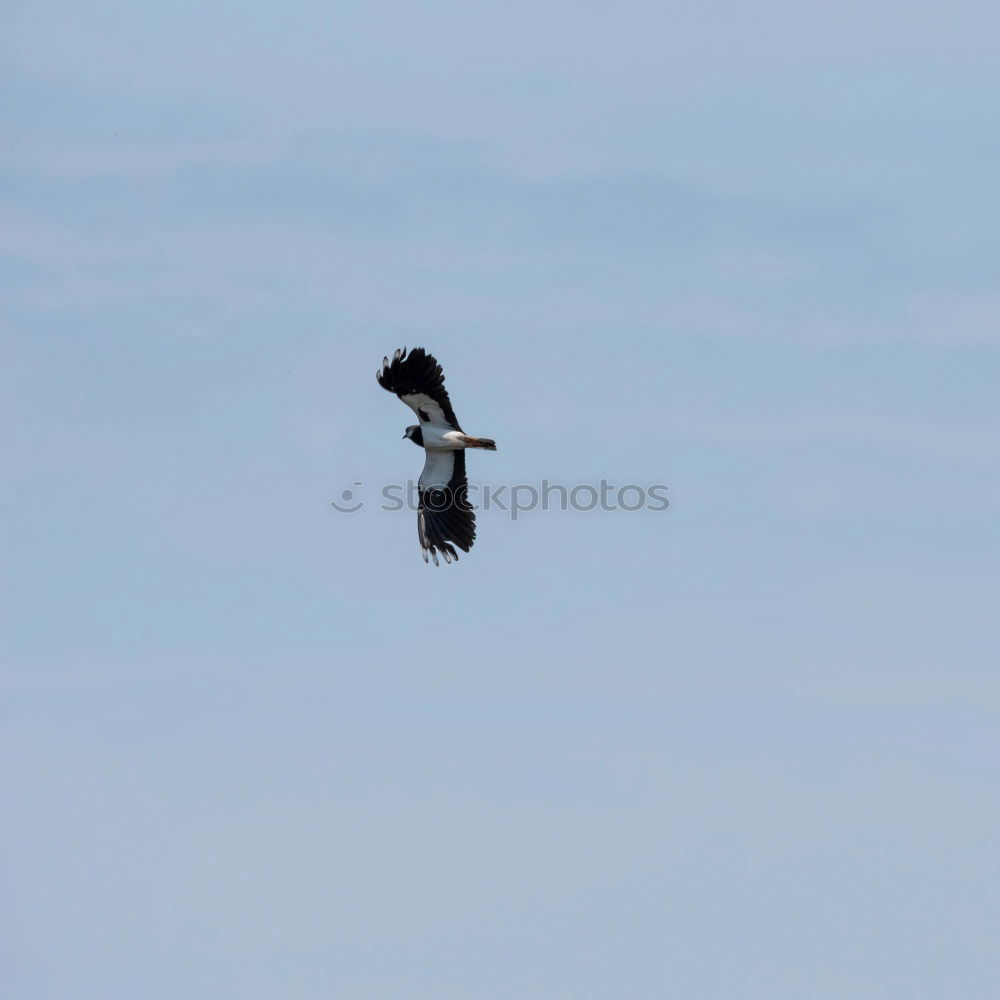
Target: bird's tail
(488,443)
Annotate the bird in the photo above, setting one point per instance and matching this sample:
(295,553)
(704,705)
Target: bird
(446,521)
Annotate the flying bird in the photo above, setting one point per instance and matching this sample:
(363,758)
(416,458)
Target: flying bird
(445,518)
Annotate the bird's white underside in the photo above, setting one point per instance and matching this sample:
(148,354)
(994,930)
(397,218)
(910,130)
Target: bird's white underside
(437,438)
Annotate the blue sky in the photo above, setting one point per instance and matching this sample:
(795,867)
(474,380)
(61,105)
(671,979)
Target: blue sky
(745,747)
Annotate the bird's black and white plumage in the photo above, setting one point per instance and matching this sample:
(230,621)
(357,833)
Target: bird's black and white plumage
(445,518)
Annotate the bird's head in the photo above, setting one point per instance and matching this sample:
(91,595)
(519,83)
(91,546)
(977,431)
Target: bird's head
(414,433)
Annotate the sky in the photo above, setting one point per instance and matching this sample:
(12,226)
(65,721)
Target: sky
(744,747)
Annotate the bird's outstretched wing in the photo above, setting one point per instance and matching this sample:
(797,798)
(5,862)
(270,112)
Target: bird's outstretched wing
(445,518)
(419,382)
